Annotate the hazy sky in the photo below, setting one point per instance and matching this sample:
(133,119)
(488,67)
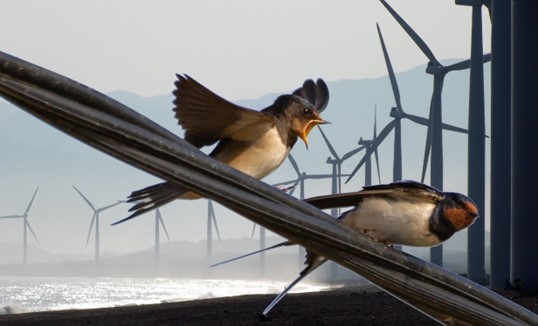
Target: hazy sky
(239,48)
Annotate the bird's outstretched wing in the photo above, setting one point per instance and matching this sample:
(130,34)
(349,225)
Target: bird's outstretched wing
(316,93)
(404,190)
(208,118)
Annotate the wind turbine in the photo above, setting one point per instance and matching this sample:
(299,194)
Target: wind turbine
(366,159)
(211,221)
(95,219)
(336,162)
(434,138)
(26,226)
(158,223)
(397,113)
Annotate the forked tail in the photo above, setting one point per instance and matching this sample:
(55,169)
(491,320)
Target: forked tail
(150,198)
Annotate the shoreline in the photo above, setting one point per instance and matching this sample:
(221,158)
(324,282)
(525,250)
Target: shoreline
(345,306)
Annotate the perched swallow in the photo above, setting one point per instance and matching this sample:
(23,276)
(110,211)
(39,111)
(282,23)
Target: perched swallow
(253,142)
(406,213)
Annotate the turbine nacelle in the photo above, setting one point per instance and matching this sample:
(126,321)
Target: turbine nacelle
(435,68)
(396,112)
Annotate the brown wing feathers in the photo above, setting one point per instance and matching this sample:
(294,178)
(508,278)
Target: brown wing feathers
(207,117)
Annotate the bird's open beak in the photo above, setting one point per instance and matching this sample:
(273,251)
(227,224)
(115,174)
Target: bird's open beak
(311,124)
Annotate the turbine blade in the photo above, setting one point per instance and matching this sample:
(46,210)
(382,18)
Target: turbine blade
(426,158)
(90,230)
(454,128)
(373,147)
(160,218)
(253,229)
(352,153)
(428,145)
(12,216)
(414,36)
(318,176)
(424,122)
(376,155)
(285,243)
(85,199)
(466,64)
(375,122)
(329,145)
(31,230)
(416,119)
(294,164)
(31,202)
(109,206)
(392,76)
(214,219)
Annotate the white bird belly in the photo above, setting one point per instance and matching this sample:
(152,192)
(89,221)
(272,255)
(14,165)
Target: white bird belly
(393,222)
(260,158)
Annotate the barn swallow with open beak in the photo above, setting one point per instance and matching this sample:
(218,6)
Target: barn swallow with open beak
(405,213)
(253,142)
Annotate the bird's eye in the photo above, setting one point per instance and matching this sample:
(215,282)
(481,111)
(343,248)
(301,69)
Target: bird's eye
(306,111)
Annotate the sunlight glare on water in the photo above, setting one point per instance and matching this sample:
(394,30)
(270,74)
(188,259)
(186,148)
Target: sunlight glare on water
(24,294)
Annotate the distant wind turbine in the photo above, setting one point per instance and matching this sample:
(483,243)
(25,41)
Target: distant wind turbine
(303,176)
(434,137)
(397,113)
(211,221)
(336,161)
(366,159)
(26,226)
(95,219)
(158,223)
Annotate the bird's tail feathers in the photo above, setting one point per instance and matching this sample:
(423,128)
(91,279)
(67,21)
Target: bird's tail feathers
(151,198)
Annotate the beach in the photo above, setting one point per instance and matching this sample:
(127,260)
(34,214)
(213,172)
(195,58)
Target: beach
(347,306)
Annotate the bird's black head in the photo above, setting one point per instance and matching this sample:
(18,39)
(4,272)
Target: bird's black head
(301,115)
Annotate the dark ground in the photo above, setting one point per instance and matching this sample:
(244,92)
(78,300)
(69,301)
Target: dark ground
(335,307)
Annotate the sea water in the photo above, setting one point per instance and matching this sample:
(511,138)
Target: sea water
(27,294)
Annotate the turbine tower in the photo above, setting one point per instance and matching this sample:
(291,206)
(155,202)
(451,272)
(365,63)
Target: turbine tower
(211,221)
(95,219)
(434,138)
(25,227)
(476,170)
(158,223)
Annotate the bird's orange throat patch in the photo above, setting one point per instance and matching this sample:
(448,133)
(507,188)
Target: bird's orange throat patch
(460,217)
